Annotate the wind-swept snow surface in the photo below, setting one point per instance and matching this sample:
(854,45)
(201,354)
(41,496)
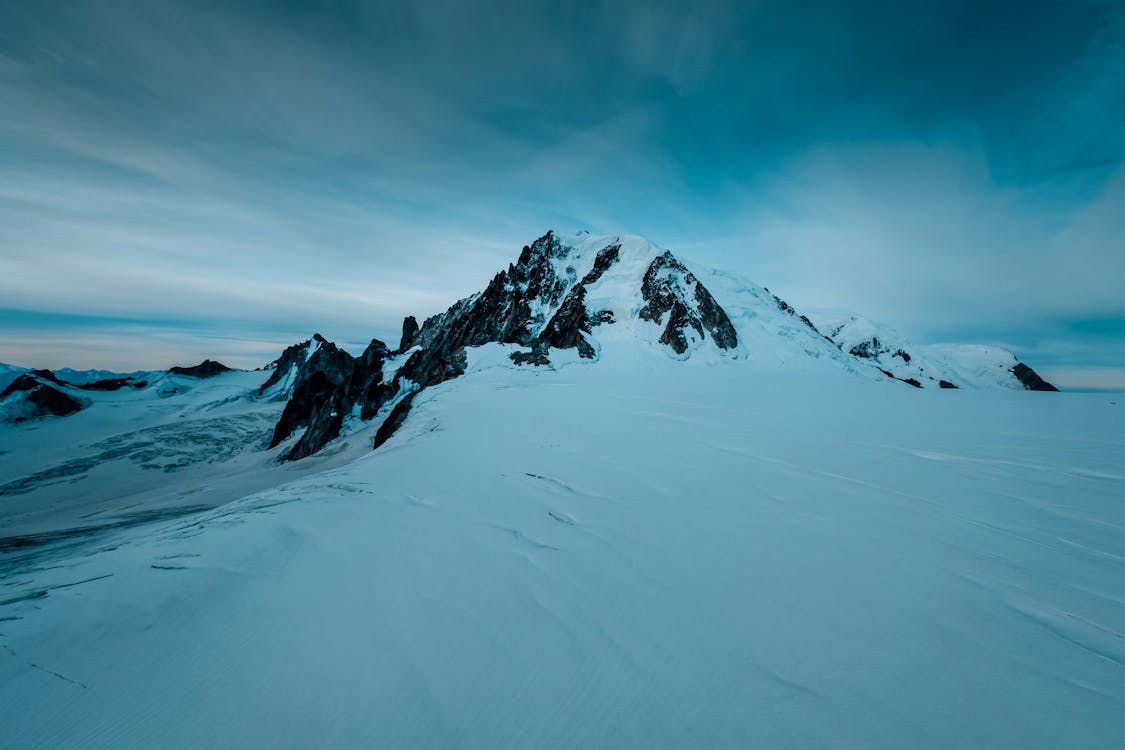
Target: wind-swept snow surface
(176,443)
(636,553)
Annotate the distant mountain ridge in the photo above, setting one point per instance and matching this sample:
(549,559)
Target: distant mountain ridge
(563,299)
(928,366)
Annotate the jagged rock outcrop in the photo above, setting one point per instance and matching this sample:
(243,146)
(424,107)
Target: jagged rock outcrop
(538,356)
(509,310)
(409,333)
(328,384)
(539,302)
(1030,378)
(36,394)
(318,405)
(319,393)
(366,386)
(572,320)
(285,365)
(208,368)
(394,420)
(669,287)
(552,298)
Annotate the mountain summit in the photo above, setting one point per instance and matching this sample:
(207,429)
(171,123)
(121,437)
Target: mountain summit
(569,299)
(562,300)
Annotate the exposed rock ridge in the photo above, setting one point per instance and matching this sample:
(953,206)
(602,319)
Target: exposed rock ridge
(539,302)
(208,368)
(572,320)
(36,394)
(669,287)
(1030,378)
(409,333)
(113,384)
(293,356)
(510,309)
(318,394)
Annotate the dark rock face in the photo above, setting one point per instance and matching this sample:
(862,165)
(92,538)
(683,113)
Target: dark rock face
(566,328)
(537,356)
(41,397)
(430,367)
(320,398)
(328,386)
(512,309)
(308,401)
(208,368)
(945,384)
(30,380)
(867,349)
(113,384)
(293,356)
(503,311)
(394,420)
(668,287)
(409,333)
(366,386)
(1030,378)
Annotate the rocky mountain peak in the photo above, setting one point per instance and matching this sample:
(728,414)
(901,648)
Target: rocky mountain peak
(36,394)
(409,333)
(541,301)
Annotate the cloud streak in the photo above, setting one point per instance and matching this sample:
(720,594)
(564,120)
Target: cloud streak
(250,169)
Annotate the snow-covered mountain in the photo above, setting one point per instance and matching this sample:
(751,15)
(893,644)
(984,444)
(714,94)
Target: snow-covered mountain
(638,552)
(564,298)
(933,366)
(576,297)
(36,394)
(618,500)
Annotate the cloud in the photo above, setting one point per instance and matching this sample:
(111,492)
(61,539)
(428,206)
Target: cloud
(268,168)
(923,235)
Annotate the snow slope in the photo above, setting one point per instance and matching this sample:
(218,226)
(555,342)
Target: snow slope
(637,552)
(180,442)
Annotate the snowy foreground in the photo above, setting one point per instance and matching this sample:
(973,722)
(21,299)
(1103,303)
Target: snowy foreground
(635,553)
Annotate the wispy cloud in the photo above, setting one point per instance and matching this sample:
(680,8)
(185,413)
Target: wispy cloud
(243,169)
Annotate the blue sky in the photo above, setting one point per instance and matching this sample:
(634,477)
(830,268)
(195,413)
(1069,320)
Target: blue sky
(188,179)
